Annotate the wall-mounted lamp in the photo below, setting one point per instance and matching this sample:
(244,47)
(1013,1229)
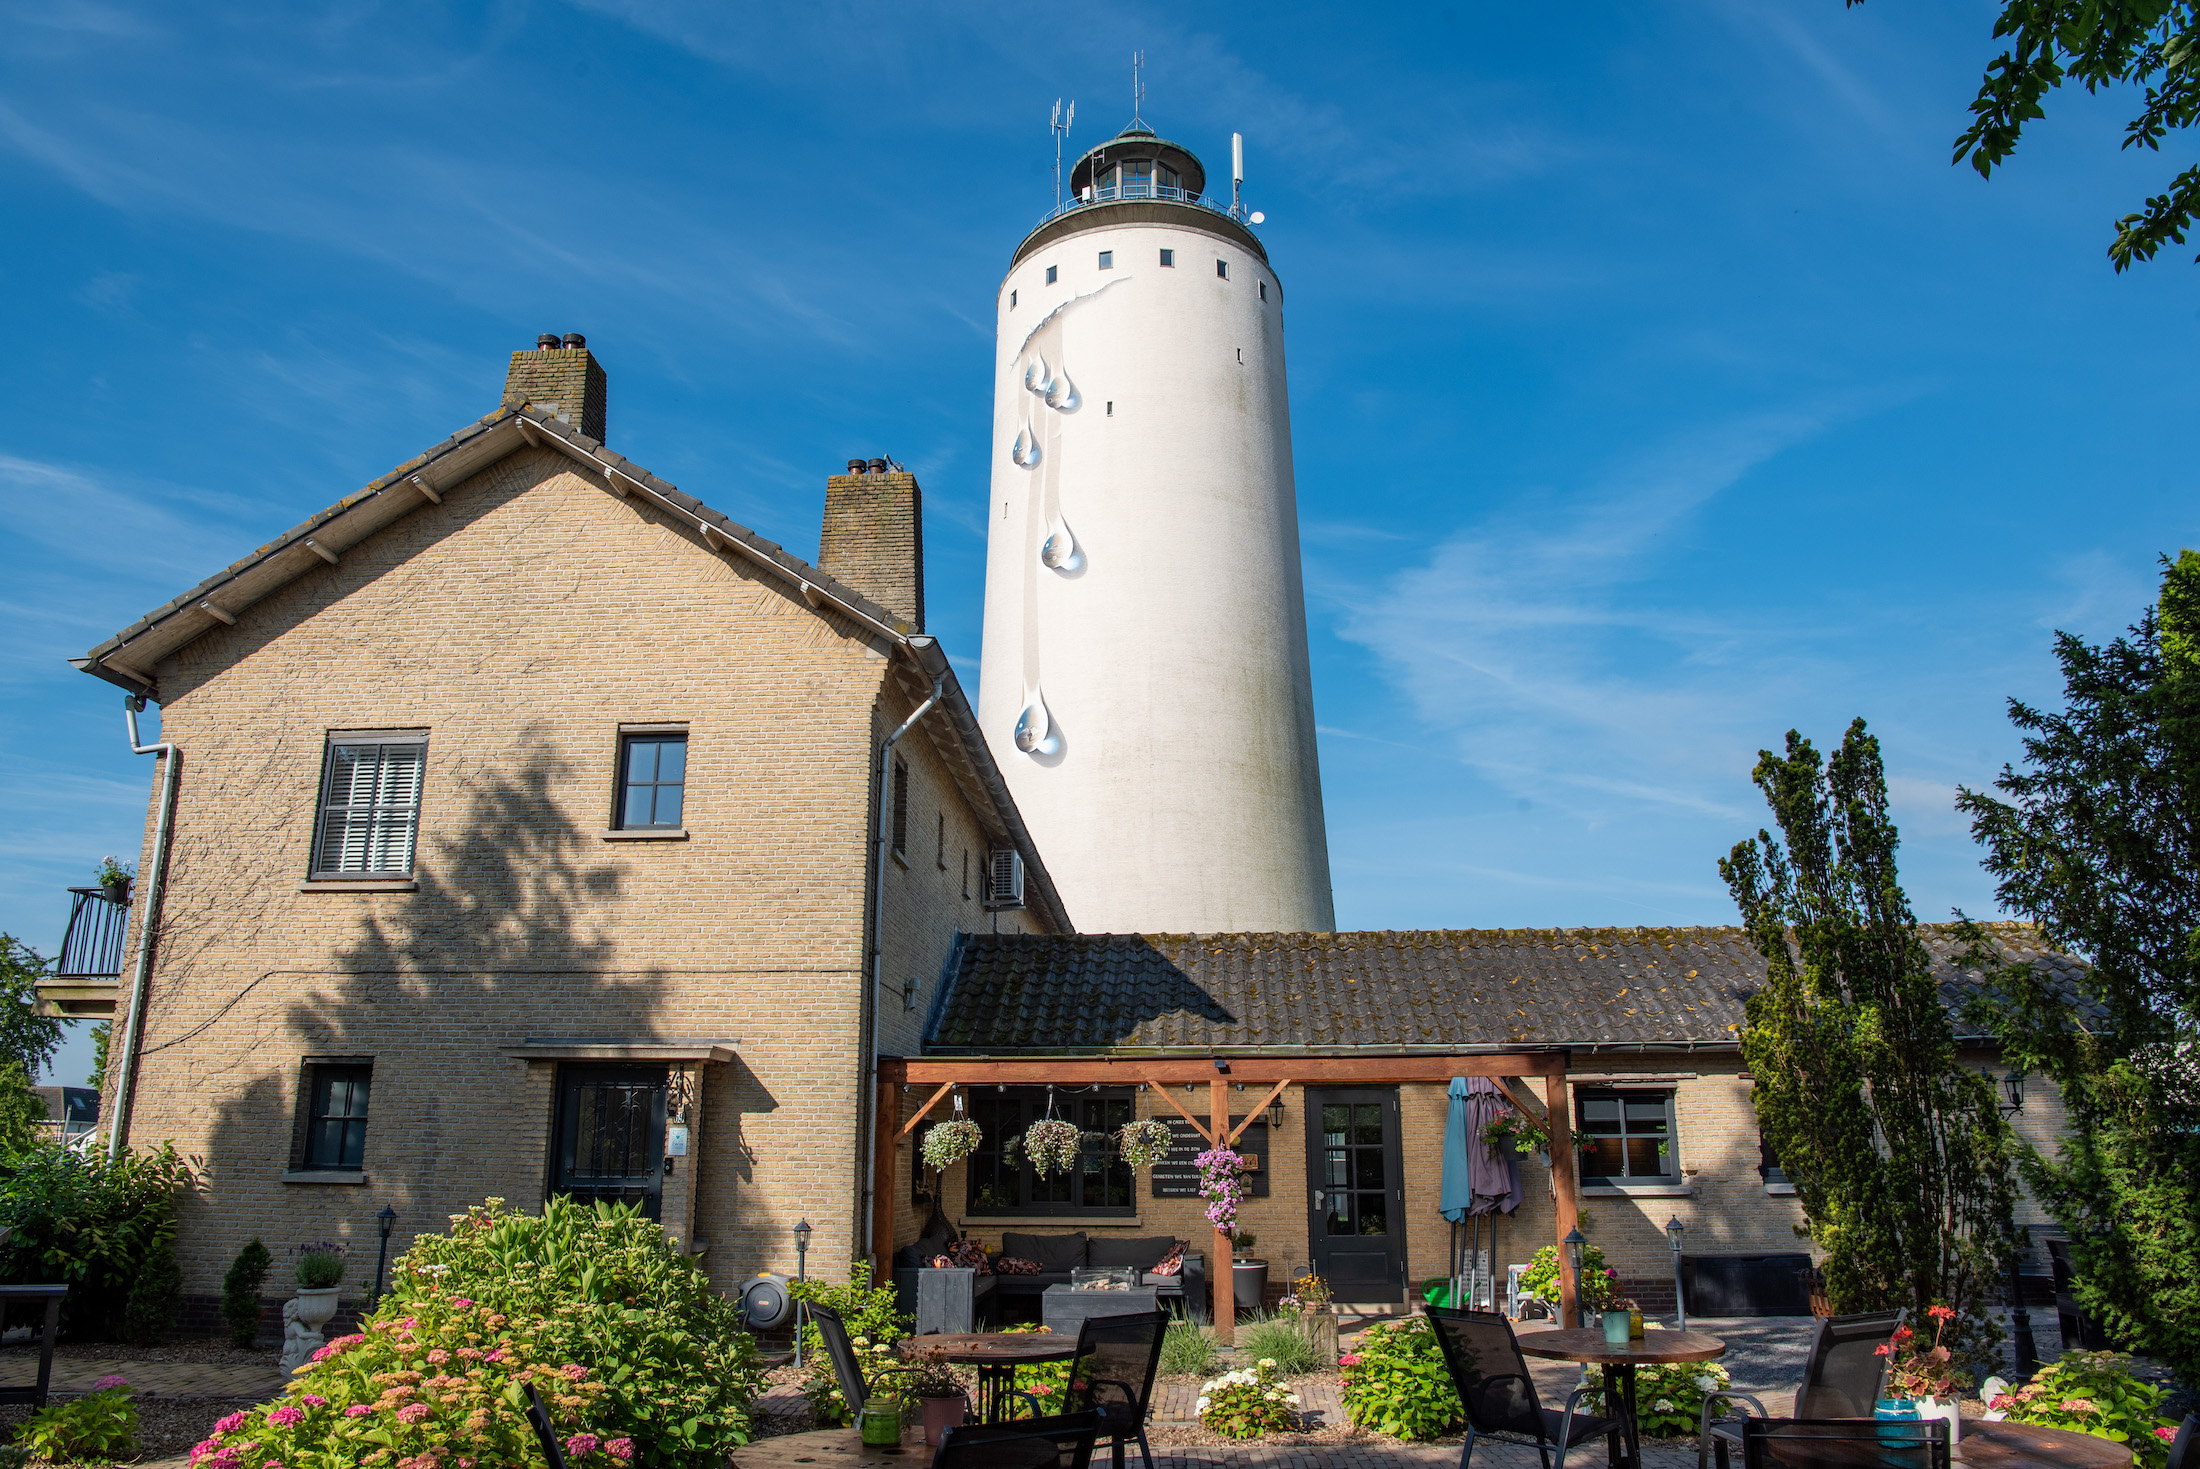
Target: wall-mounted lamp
(2011,1087)
(1275,1111)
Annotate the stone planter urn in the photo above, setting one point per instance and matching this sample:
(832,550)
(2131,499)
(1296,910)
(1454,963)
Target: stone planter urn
(303,1317)
(1248,1283)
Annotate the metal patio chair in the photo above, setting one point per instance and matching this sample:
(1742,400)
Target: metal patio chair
(1843,1378)
(847,1371)
(1844,1443)
(2181,1448)
(1063,1442)
(1113,1373)
(1492,1380)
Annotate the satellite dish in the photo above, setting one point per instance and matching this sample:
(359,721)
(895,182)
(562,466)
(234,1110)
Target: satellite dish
(1257,217)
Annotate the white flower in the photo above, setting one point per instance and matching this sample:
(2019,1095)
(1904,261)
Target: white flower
(1292,1398)
(1707,1382)
(1268,1361)
(1663,1405)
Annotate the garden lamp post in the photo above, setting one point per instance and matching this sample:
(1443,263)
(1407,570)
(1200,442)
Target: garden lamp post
(801,1273)
(1574,1242)
(2024,1351)
(386,1219)
(1673,1231)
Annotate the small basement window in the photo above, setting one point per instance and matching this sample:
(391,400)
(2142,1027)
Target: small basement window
(1222,269)
(1107,260)
(1168,258)
(1051,272)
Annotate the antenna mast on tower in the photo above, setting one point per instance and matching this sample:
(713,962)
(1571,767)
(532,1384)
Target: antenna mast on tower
(1138,89)
(1060,128)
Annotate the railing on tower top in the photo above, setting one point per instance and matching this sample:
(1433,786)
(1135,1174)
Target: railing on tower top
(1116,194)
(92,947)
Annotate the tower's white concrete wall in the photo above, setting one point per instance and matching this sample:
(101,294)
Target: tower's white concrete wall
(1177,788)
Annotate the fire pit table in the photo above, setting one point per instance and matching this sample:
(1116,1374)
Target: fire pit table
(1095,1291)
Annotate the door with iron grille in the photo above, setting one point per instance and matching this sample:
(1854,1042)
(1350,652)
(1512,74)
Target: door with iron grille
(611,1135)
(1356,1192)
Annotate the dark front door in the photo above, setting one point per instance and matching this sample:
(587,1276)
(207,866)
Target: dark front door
(1356,1191)
(611,1135)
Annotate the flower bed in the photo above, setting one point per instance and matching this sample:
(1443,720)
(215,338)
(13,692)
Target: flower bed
(1248,1403)
(2096,1393)
(1395,1382)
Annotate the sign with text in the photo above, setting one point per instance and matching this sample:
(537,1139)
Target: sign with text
(1176,1175)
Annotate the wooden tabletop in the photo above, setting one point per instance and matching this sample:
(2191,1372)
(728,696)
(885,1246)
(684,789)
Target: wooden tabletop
(836,1448)
(1984,1446)
(1653,1346)
(997,1346)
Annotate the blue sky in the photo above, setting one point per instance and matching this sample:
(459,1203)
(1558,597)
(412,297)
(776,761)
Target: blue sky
(1657,384)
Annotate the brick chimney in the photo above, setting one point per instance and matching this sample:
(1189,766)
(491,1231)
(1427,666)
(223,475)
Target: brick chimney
(563,377)
(874,536)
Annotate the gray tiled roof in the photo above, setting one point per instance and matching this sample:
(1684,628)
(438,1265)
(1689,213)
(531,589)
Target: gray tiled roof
(1449,989)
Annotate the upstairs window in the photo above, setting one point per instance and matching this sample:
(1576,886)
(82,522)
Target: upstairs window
(1052,271)
(333,1115)
(1631,1137)
(1264,290)
(1222,269)
(652,781)
(370,805)
(1012,300)
(1168,259)
(1107,260)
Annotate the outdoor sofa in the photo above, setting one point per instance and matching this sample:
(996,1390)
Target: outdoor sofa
(955,1300)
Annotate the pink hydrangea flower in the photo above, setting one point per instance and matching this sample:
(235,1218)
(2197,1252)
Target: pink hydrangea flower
(412,1412)
(574,1370)
(284,1417)
(1349,1359)
(500,1355)
(358,1410)
(582,1444)
(314,1400)
(230,1424)
(111,1380)
(2165,1433)
(621,1449)
(439,1356)
(2077,1405)
(338,1347)
(461,1302)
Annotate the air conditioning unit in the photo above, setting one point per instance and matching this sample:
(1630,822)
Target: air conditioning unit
(1004,878)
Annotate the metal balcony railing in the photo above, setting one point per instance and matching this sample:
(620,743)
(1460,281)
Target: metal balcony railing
(1115,194)
(92,948)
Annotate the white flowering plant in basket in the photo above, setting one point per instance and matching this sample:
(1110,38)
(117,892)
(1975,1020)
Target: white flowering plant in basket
(1143,1144)
(951,1142)
(1052,1145)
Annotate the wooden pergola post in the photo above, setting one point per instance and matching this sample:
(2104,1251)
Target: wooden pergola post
(946,1073)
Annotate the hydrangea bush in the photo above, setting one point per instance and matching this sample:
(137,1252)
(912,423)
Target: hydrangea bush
(1395,1382)
(637,1360)
(874,1320)
(2094,1392)
(1669,1399)
(1248,1402)
(101,1425)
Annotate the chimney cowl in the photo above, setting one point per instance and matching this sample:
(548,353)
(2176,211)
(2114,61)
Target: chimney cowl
(855,466)
(575,341)
(878,466)
(547,342)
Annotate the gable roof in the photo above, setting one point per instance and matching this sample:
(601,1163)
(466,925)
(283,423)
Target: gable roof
(1450,990)
(128,659)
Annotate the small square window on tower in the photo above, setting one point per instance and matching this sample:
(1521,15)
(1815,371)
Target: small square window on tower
(1264,290)
(1051,272)
(1107,260)
(1012,300)
(1222,269)
(1168,258)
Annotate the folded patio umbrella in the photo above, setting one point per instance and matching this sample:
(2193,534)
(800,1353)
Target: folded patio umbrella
(1456,1199)
(1493,1183)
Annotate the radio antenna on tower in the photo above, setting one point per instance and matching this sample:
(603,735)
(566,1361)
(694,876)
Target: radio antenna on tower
(1060,128)
(1138,89)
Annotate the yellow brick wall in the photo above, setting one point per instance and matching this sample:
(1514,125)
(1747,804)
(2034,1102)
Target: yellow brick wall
(520,623)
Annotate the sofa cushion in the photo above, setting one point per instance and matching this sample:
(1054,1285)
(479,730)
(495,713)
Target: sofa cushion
(1007,1264)
(1143,1253)
(1172,1259)
(1053,1252)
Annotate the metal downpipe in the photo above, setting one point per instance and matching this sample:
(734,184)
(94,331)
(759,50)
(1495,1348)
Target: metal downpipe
(148,920)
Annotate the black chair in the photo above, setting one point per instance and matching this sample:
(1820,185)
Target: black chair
(842,1353)
(1844,1443)
(545,1435)
(1034,1443)
(1843,1379)
(1493,1383)
(1112,1374)
(2180,1449)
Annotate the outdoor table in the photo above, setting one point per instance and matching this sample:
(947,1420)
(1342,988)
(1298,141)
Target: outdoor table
(48,1296)
(997,1355)
(836,1448)
(1619,1363)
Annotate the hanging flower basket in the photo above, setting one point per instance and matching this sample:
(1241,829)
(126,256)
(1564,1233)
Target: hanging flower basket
(1052,1145)
(1222,1185)
(951,1142)
(1143,1144)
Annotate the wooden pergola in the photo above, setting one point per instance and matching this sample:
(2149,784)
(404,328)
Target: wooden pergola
(944,1074)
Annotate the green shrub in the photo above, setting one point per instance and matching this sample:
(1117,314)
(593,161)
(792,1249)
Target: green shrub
(637,1358)
(1669,1399)
(2094,1392)
(241,1293)
(1282,1340)
(154,1297)
(1599,1281)
(1395,1382)
(875,1322)
(1188,1350)
(100,1426)
(89,1222)
(1248,1403)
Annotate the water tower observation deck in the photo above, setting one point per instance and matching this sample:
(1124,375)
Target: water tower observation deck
(1139,177)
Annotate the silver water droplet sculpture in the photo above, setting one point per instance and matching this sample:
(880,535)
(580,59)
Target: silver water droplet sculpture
(1062,394)
(1025,451)
(1037,378)
(1060,549)
(1033,729)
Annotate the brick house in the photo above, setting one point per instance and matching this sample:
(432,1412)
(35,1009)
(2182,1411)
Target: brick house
(536,828)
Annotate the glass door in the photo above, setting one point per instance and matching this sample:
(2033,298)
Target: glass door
(1356,1192)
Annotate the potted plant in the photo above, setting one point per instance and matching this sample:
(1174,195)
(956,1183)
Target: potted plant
(951,1142)
(115,878)
(939,1391)
(320,1269)
(1052,1145)
(1144,1143)
(1927,1376)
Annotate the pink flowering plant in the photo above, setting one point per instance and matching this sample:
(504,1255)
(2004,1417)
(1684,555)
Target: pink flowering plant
(2096,1393)
(637,1361)
(1222,1185)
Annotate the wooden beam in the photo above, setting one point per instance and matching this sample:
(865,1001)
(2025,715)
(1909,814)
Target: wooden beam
(527,431)
(611,482)
(1567,1213)
(1125,1070)
(225,618)
(1224,1278)
(321,551)
(427,489)
(930,1102)
(1517,1093)
(1204,1135)
(885,1181)
(1274,1092)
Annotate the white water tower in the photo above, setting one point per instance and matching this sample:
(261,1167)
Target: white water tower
(1145,684)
